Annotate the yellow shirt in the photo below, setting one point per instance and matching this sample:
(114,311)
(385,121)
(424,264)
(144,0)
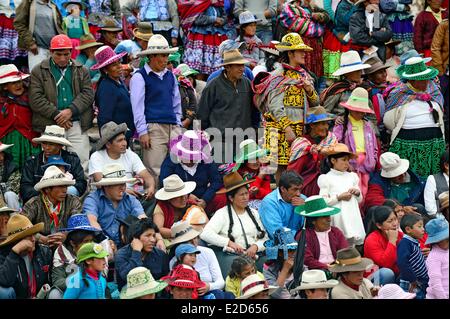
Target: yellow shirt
(437,15)
(358,134)
(233,285)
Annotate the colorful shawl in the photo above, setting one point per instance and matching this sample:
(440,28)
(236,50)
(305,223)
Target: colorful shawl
(302,146)
(400,93)
(299,19)
(189,10)
(337,88)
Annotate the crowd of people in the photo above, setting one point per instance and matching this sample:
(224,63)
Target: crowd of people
(247,149)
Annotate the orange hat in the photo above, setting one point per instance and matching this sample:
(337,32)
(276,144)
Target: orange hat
(60,42)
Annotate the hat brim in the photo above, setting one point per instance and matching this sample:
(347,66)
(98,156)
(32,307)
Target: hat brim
(4,147)
(442,235)
(183,284)
(381,67)
(248,22)
(65,4)
(111,60)
(357,109)
(253,155)
(348,69)
(130,294)
(8,210)
(85,228)
(226,190)
(114,181)
(14,78)
(18,236)
(328,211)
(53,182)
(51,139)
(327,119)
(239,61)
(271,51)
(401,169)
(121,128)
(362,266)
(271,290)
(429,74)
(102,254)
(191,234)
(317,285)
(66,165)
(158,51)
(284,48)
(88,45)
(111,29)
(187,189)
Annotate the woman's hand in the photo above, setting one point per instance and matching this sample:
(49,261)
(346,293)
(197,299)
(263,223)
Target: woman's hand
(290,135)
(346,196)
(251,251)
(392,236)
(137,245)
(203,290)
(238,249)
(354,191)
(160,244)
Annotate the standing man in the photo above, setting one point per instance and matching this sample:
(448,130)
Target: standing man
(156,103)
(61,93)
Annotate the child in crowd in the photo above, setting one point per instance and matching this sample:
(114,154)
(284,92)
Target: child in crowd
(74,25)
(186,255)
(340,188)
(410,260)
(88,282)
(242,267)
(437,261)
(247,34)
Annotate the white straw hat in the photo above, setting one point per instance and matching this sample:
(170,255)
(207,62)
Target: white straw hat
(157,44)
(10,73)
(314,279)
(181,232)
(393,291)
(53,176)
(350,62)
(173,186)
(53,134)
(253,285)
(114,174)
(392,165)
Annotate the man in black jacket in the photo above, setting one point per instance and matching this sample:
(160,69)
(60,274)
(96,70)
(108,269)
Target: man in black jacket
(21,257)
(52,140)
(9,179)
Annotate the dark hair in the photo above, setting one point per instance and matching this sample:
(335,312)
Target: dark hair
(444,160)
(232,193)
(289,178)
(345,124)
(270,61)
(326,165)
(113,138)
(379,215)
(238,264)
(309,223)
(391,202)
(82,267)
(242,32)
(142,225)
(284,57)
(409,221)
(77,236)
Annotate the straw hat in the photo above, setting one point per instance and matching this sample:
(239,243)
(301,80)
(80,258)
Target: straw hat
(105,56)
(140,282)
(157,44)
(113,174)
(6,209)
(318,114)
(375,65)
(393,291)
(443,200)
(349,259)
(4,147)
(195,215)
(108,131)
(315,206)
(358,101)
(181,232)
(19,227)
(392,165)
(291,42)
(253,285)
(247,17)
(315,279)
(10,73)
(173,186)
(54,177)
(87,41)
(53,134)
(339,148)
(233,57)
(144,31)
(416,69)
(232,181)
(249,150)
(110,24)
(350,62)
(191,146)
(411,54)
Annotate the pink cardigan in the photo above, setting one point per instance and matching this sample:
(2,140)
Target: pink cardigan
(437,265)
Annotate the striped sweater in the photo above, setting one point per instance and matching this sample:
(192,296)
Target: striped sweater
(411,262)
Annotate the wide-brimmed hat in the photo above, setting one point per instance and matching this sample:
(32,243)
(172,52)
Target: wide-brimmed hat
(375,65)
(392,42)
(437,230)
(253,285)
(292,41)
(186,249)
(191,146)
(91,250)
(443,200)
(247,17)
(184,276)
(173,186)
(181,232)
(350,62)
(157,44)
(232,181)
(270,48)
(53,134)
(144,31)
(19,227)
(113,174)
(358,101)
(392,165)
(88,41)
(416,69)
(10,73)
(349,259)
(56,160)
(185,70)
(108,131)
(4,147)
(249,150)
(229,45)
(110,24)
(283,239)
(411,54)
(54,177)
(339,148)
(393,291)
(105,56)
(6,209)
(79,222)
(78,2)
(318,114)
(233,57)
(195,215)
(315,279)
(315,206)
(140,282)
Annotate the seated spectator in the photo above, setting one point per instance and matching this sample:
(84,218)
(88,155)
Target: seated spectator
(18,253)
(112,148)
(141,285)
(110,201)
(57,160)
(235,228)
(190,159)
(53,206)
(141,252)
(52,140)
(183,282)
(253,287)
(350,268)
(9,178)
(242,267)
(393,291)
(172,203)
(436,185)
(322,240)
(314,285)
(5,213)
(125,229)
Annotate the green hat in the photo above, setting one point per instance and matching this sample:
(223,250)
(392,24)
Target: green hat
(140,282)
(91,250)
(175,57)
(249,150)
(315,206)
(416,69)
(186,71)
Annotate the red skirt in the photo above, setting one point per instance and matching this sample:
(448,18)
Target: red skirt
(313,59)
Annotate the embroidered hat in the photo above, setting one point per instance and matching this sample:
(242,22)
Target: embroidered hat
(54,177)
(315,206)
(350,62)
(4,147)
(18,227)
(358,101)
(79,222)
(108,131)
(233,57)
(105,56)
(248,150)
(53,134)
(60,42)
(349,259)
(392,165)
(186,249)
(184,276)
(56,160)
(113,174)
(182,232)
(157,44)
(283,239)
(291,42)
(195,215)
(91,250)
(339,148)
(144,31)
(315,279)
(247,17)
(318,114)
(173,186)
(191,146)
(232,181)
(10,73)
(416,69)
(140,282)
(393,291)
(253,285)
(437,230)
(88,41)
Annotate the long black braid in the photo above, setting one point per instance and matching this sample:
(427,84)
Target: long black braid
(83,273)
(346,115)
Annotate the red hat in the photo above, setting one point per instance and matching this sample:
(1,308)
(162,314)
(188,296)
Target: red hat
(60,42)
(184,276)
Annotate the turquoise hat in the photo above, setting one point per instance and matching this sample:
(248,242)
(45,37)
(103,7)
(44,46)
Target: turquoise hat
(315,206)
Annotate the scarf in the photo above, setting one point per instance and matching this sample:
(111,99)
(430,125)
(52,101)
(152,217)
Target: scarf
(337,88)
(53,212)
(189,10)
(302,146)
(11,99)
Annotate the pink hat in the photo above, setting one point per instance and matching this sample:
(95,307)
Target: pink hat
(105,56)
(191,146)
(393,291)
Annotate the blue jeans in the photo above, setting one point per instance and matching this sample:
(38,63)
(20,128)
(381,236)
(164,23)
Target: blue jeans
(7,293)
(420,290)
(383,276)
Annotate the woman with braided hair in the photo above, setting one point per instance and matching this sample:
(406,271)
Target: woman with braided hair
(235,228)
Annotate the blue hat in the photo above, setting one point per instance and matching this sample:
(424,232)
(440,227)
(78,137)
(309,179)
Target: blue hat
(283,238)
(186,249)
(412,54)
(79,222)
(437,230)
(56,160)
